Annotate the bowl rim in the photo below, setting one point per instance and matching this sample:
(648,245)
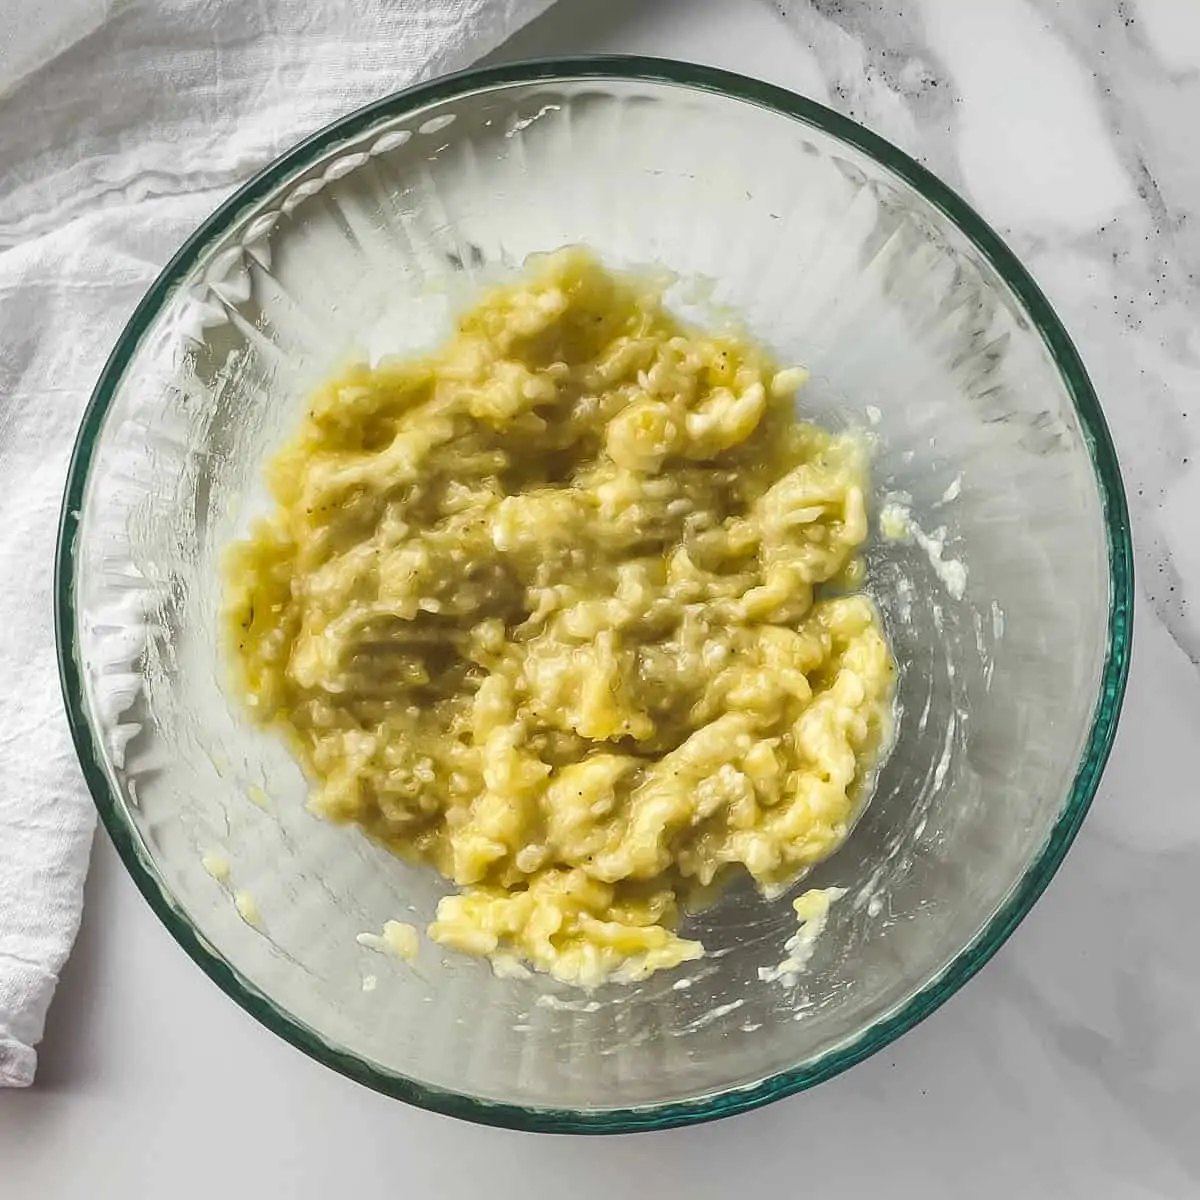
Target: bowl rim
(970,959)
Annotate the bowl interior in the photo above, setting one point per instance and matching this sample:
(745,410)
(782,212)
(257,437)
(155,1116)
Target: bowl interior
(998,602)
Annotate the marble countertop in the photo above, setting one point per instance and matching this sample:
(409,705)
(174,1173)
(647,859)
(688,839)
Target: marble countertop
(1071,1066)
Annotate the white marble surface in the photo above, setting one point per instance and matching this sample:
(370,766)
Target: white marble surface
(1071,1067)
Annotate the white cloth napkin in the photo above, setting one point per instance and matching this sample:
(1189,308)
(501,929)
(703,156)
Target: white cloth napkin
(122,124)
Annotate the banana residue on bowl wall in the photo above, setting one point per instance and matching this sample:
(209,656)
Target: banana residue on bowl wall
(812,911)
(399,939)
(896,523)
(247,908)
(216,864)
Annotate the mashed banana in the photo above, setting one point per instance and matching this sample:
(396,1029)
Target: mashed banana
(539,610)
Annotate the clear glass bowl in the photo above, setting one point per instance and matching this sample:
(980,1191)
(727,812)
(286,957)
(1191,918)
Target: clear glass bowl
(841,253)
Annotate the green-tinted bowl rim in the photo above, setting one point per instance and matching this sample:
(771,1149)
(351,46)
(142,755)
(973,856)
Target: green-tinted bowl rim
(969,960)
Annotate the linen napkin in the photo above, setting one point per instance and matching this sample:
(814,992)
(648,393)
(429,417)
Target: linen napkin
(122,124)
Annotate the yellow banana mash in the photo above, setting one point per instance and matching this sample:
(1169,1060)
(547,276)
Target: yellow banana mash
(538,610)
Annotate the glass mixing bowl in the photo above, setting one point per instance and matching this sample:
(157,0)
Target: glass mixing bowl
(1007,602)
